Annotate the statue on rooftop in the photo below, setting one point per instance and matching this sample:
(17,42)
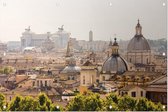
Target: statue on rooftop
(61,28)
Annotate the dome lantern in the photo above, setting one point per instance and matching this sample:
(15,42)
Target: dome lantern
(115,48)
(138,29)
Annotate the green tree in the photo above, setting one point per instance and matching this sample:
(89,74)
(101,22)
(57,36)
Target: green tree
(159,107)
(44,102)
(29,104)
(127,103)
(6,70)
(55,107)
(146,105)
(2,101)
(142,104)
(93,102)
(86,102)
(109,105)
(1,71)
(76,104)
(15,104)
(111,102)
(112,97)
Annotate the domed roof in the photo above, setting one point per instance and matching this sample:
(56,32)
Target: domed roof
(71,67)
(115,63)
(138,42)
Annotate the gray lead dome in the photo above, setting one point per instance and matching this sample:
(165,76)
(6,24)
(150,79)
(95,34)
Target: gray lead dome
(138,42)
(115,64)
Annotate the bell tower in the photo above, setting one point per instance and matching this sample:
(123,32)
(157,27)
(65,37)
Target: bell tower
(69,51)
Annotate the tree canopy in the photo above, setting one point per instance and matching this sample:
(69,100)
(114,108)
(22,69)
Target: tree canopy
(2,101)
(41,103)
(81,102)
(93,102)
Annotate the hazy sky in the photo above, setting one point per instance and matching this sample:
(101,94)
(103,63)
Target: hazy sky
(104,17)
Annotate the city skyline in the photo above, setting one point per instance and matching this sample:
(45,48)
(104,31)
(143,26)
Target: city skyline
(104,18)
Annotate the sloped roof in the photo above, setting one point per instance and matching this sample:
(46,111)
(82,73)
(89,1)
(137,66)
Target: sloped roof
(129,87)
(88,63)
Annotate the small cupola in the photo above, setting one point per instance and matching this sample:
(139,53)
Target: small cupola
(115,48)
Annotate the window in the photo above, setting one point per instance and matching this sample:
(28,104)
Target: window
(130,60)
(33,83)
(133,94)
(147,61)
(141,93)
(41,83)
(83,79)
(103,78)
(45,83)
(37,83)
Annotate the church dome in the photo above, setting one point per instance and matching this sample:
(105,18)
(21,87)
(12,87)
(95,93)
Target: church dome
(115,63)
(138,42)
(71,66)
(70,61)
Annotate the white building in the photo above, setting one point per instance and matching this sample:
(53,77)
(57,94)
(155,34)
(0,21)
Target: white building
(31,39)
(60,38)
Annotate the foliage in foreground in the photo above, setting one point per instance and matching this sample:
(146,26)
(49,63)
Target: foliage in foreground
(41,103)
(93,102)
(82,102)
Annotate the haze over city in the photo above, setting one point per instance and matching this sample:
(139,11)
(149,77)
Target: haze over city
(104,17)
(83,55)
